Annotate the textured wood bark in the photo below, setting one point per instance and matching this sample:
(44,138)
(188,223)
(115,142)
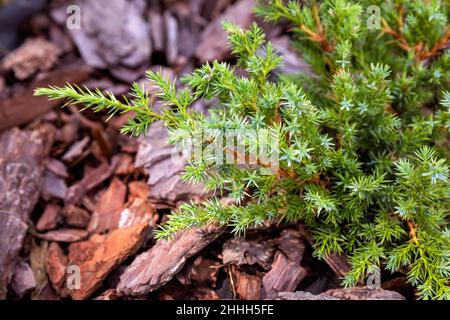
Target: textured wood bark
(285,275)
(24,106)
(213,43)
(239,251)
(36,54)
(247,286)
(64,235)
(21,166)
(101,254)
(338,263)
(357,293)
(363,293)
(107,211)
(161,263)
(292,245)
(156,157)
(101,39)
(55,265)
(23,280)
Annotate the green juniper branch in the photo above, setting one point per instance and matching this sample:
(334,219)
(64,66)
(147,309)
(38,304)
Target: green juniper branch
(363,145)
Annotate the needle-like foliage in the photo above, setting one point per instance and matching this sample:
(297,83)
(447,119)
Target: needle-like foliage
(362,146)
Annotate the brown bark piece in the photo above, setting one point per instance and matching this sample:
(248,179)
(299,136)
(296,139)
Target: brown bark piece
(57,167)
(125,165)
(363,293)
(109,294)
(2,86)
(212,9)
(214,42)
(303,295)
(138,189)
(55,265)
(21,166)
(248,287)
(285,275)
(49,218)
(53,186)
(91,179)
(166,187)
(37,263)
(107,210)
(137,212)
(100,40)
(172,38)
(34,55)
(69,132)
(337,262)
(24,106)
(205,293)
(99,255)
(23,280)
(154,268)
(292,245)
(76,149)
(64,235)
(76,217)
(358,293)
(240,251)
(202,271)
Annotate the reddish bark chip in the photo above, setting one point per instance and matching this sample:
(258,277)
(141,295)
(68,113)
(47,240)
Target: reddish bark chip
(76,217)
(57,167)
(49,218)
(138,211)
(101,254)
(107,211)
(247,286)
(154,268)
(138,189)
(292,245)
(64,235)
(55,265)
(125,165)
(214,41)
(357,293)
(22,156)
(285,275)
(201,271)
(92,178)
(240,251)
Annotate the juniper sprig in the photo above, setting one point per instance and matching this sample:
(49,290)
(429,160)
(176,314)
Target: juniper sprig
(362,146)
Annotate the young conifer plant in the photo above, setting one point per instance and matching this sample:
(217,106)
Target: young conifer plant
(362,143)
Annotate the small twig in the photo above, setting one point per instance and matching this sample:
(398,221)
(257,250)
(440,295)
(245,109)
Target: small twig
(437,48)
(232,282)
(259,161)
(420,52)
(412,232)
